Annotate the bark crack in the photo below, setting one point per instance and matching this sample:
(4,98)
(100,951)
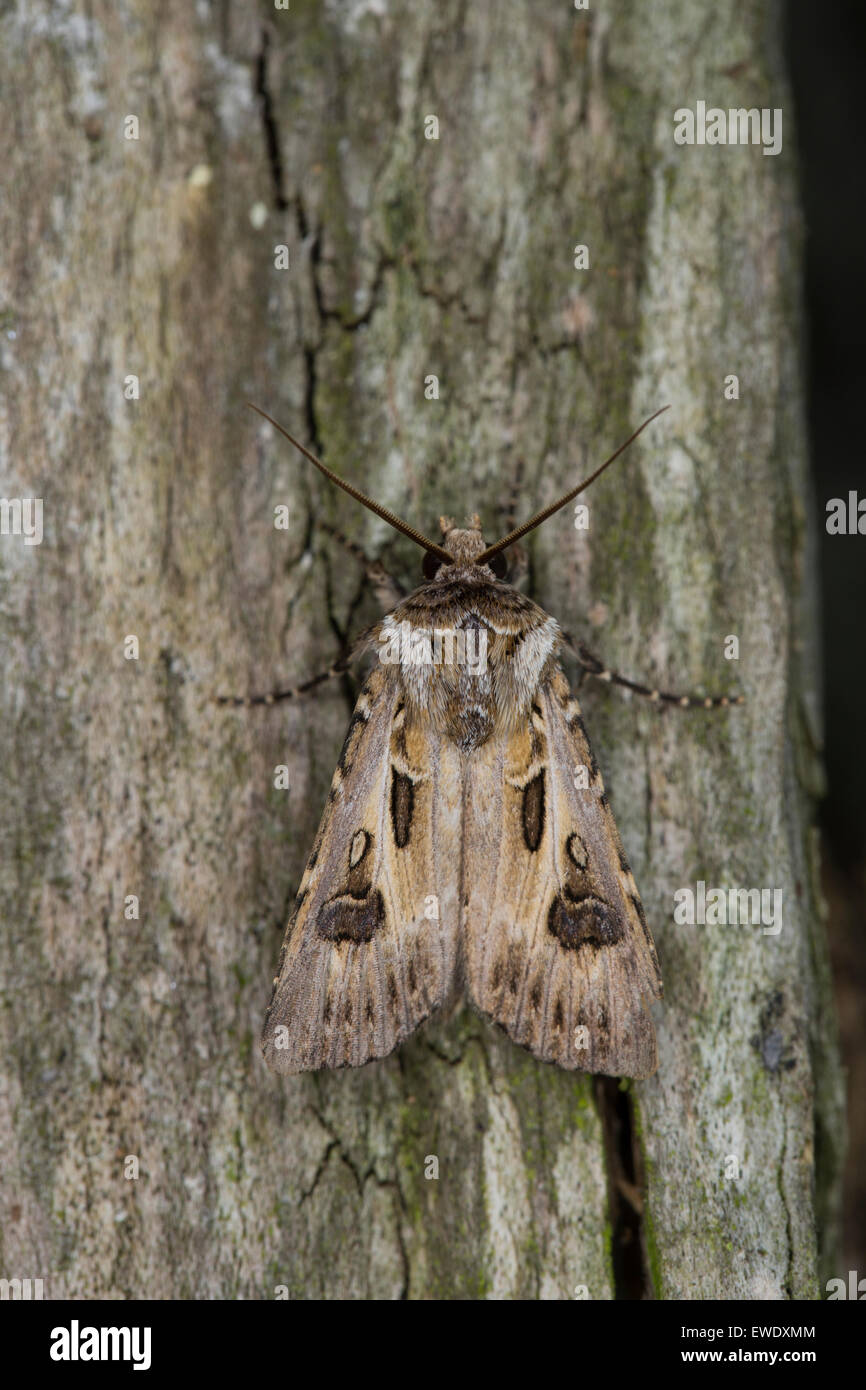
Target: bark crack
(269,124)
(307,1192)
(789,1233)
(625,1188)
(361,1178)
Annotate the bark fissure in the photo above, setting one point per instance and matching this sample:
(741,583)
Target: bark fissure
(625,1190)
(269,123)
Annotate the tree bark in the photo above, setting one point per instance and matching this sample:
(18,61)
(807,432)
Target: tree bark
(409,257)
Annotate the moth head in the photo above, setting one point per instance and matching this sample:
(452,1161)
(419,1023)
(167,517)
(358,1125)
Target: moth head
(464,545)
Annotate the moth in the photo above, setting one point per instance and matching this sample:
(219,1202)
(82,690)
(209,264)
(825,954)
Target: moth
(467,844)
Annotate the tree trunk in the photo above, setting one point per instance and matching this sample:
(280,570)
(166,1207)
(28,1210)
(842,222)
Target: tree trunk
(409,257)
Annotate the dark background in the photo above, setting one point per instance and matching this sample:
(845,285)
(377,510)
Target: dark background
(826,48)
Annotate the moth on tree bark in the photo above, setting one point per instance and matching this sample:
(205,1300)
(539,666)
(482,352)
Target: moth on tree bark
(409,259)
(456,775)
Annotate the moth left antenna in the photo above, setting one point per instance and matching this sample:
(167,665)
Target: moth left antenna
(392,520)
(569,496)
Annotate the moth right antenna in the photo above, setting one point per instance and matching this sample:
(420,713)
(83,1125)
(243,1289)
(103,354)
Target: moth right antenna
(555,506)
(392,520)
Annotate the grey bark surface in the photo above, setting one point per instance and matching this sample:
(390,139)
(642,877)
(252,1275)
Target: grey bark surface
(408,257)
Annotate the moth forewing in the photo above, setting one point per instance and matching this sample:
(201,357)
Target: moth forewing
(370,949)
(556,942)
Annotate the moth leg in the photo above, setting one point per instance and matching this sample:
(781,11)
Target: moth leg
(388,590)
(339,667)
(593,666)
